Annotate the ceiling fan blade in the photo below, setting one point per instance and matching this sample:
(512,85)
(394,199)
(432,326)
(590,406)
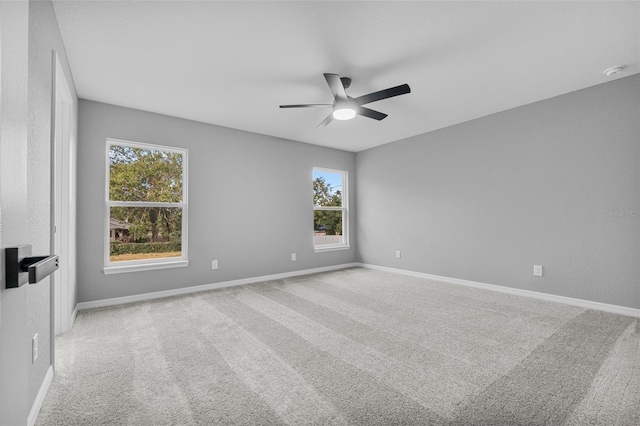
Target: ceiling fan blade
(326,121)
(383,94)
(366,112)
(307,106)
(335,84)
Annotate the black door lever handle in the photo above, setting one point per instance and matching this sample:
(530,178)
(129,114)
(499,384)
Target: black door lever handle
(21,267)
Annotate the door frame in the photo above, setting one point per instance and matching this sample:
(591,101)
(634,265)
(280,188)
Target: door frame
(61,202)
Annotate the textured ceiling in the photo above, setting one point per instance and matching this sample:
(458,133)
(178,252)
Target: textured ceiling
(233,63)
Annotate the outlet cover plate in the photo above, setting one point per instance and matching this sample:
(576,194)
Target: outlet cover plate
(537,270)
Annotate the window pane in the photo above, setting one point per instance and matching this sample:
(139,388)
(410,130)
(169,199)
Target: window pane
(327,227)
(139,174)
(327,188)
(138,233)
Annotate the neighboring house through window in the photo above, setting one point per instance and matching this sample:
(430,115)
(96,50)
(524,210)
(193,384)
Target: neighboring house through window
(330,213)
(146,207)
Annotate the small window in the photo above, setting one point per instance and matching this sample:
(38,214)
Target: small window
(330,213)
(146,207)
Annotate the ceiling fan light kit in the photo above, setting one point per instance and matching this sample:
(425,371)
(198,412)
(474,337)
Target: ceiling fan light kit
(344,110)
(344,113)
(346,107)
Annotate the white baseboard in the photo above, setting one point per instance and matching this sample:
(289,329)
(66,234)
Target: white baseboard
(42,393)
(622,310)
(74,314)
(587,304)
(178,291)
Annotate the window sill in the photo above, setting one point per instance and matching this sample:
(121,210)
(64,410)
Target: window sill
(144,267)
(320,249)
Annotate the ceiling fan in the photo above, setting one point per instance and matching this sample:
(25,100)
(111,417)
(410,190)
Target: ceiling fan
(345,107)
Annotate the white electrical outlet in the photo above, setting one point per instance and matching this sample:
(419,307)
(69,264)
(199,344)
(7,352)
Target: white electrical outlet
(537,270)
(398,254)
(34,348)
(293,257)
(214,264)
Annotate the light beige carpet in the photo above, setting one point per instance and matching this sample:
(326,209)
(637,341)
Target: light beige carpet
(355,346)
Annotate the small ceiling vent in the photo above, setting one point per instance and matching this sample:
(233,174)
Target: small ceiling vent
(613,71)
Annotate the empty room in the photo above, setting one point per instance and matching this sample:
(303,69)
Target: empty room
(319,213)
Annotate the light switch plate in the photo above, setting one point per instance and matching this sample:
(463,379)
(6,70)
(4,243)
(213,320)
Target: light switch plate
(34,348)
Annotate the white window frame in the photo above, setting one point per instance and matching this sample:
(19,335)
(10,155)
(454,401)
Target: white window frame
(345,212)
(146,264)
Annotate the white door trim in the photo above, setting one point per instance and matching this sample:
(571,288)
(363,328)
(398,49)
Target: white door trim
(61,193)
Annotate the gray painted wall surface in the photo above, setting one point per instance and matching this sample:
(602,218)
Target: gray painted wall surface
(250,201)
(29,34)
(44,38)
(14,339)
(541,184)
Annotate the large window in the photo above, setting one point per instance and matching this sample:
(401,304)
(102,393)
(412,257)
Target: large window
(330,213)
(146,207)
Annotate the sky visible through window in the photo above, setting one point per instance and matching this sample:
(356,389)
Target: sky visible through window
(333,179)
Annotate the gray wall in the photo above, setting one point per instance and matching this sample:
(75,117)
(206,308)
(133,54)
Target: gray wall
(29,36)
(14,338)
(250,201)
(546,184)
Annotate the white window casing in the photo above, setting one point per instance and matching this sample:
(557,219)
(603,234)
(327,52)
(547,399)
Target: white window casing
(344,244)
(145,264)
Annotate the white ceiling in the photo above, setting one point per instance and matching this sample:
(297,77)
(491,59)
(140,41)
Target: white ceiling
(233,63)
